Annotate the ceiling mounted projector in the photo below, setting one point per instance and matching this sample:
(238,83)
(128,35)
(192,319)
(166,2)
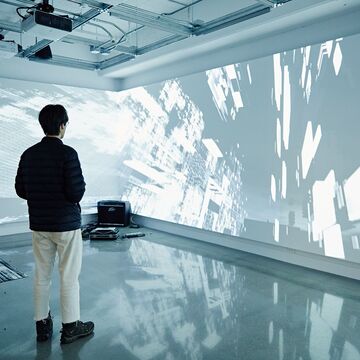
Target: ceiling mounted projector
(47,26)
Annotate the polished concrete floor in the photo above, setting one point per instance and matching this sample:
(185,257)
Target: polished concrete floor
(167,297)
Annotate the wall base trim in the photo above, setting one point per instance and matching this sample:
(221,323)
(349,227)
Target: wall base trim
(296,257)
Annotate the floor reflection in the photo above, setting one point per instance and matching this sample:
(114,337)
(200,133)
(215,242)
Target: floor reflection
(163,297)
(175,304)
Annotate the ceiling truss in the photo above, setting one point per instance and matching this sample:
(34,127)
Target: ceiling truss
(175,29)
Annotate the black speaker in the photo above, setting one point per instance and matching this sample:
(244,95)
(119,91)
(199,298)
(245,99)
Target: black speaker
(113,213)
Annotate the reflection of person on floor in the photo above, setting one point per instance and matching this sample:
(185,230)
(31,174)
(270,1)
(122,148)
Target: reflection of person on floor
(49,177)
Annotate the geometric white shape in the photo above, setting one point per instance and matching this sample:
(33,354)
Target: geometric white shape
(355,242)
(286,108)
(249,73)
(339,196)
(303,74)
(331,310)
(337,59)
(352,195)
(333,244)
(325,49)
(328,45)
(273,188)
(281,344)
(271,332)
(277,79)
(309,147)
(308,86)
(278,137)
(321,335)
(297,176)
(323,193)
(237,100)
(146,170)
(283,177)
(276,230)
(275,293)
(230,71)
(212,147)
(307,54)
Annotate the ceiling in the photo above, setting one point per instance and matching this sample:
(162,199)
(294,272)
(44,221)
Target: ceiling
(107,34)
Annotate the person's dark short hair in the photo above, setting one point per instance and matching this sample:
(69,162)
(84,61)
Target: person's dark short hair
(51,117)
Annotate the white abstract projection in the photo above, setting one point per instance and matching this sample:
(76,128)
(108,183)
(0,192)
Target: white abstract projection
(264,150)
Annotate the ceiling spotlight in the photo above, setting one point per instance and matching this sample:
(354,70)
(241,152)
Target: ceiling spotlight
(94,49)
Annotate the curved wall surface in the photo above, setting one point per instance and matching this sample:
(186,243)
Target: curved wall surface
(265,150)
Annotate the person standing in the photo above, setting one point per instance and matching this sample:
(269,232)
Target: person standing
(50,178)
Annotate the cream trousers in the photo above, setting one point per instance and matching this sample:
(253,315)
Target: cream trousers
(68,245)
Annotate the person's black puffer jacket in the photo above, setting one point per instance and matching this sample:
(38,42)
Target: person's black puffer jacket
(49,177)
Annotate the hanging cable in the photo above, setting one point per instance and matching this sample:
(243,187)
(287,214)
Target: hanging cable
(104,29)
(111,47)
(27,10)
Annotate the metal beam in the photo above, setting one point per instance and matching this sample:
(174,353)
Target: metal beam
(115,61)
(69,62)
(148,18)
(158,44)
(81,20)
(143,50)
(131,50)
(6,25)
(266,2)
(232,19)
(31,50)
(73,39)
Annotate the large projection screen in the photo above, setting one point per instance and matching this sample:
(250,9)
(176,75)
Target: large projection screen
(266,149)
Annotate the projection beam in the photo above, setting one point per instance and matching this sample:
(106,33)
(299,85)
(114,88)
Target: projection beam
(148,18)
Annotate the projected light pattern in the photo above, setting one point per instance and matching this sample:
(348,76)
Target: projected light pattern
(263,150)
(152,147)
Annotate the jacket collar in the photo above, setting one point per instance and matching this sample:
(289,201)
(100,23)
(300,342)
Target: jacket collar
(48,139)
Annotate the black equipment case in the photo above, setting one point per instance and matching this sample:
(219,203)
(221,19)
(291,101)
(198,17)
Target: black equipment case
(113,213)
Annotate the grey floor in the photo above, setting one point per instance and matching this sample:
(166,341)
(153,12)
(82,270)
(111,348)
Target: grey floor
(167,297)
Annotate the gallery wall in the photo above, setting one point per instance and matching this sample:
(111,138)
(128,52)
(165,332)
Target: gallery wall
(264,150)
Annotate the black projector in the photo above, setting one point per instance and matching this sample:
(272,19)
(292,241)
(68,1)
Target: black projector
(113,213)
(46,25)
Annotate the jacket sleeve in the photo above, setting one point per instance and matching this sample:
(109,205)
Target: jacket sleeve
(19,180)
(74,180)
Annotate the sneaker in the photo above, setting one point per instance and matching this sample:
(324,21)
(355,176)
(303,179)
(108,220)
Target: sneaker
(44,329)
(76,330)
